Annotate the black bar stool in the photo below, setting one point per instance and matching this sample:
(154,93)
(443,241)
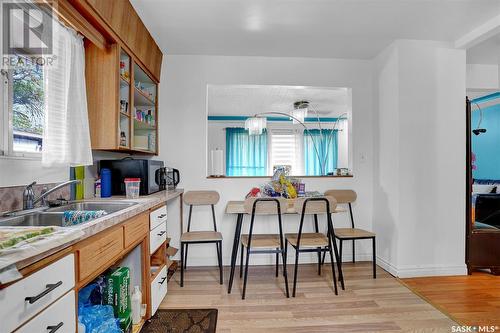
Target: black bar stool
(201,198)
(263,243)
(344,234)
(314,242)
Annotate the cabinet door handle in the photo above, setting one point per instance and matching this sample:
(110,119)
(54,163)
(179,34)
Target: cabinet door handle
(49,288)
(162,280)
(162,216)
(55,328)
(162,233)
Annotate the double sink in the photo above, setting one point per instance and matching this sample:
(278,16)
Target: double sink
(45,216)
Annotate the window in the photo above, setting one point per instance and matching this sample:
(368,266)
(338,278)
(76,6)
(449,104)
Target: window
(246,155)
(23,107)
(285,149)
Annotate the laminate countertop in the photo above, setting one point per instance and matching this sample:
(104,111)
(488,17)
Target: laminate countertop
(12,260)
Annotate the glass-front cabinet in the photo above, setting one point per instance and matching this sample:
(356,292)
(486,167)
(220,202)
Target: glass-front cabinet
(144,112)
(122,101)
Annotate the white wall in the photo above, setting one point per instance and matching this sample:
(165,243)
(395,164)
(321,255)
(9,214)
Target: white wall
(183,137)
(386,162)
(421,97)
(482,76)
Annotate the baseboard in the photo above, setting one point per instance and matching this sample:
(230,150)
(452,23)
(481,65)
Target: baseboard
(387,266)
(431,270)
(422,270)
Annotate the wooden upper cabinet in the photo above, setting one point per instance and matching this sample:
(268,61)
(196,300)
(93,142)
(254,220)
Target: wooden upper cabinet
(126,24)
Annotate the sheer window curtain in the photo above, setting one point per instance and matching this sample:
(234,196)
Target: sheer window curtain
(66,137)
(246,155)
(327,142)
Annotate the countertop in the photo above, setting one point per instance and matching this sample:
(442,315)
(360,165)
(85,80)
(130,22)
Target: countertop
(22,259)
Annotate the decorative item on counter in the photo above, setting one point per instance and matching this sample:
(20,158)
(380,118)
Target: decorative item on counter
(301,189)
(279,170)
(105,183)
(132,187)
(74,217)
(97,188)
(281,184)
(254,193)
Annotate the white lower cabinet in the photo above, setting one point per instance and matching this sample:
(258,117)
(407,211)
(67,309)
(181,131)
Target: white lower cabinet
(157,236)
(24,299)
(59,317)
(158,289)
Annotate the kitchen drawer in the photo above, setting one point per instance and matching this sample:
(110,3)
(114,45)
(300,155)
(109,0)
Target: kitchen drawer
(22,300)
(157,236)
(59,317)
(98,251)
(157,217)
(158,289)
(135,229)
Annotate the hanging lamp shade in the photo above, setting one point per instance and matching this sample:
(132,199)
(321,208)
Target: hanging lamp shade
(255,125)
(299,112)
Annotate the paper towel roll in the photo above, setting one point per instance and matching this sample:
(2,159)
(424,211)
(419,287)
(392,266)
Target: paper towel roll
(217,158)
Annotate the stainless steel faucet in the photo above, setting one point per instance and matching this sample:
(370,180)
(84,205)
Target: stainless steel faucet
(29,200)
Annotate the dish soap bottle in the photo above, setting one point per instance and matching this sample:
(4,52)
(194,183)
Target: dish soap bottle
(136,305)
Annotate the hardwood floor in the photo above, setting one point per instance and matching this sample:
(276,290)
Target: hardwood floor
(367,305)
(470,300)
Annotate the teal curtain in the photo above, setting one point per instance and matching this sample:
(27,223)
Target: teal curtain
(246,155)
(326,142)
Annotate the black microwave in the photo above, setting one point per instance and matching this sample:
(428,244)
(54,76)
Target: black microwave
(149,171)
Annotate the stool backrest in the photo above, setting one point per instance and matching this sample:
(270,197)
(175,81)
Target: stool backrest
(342,196)
(316,205)
(201,198)
(265,206)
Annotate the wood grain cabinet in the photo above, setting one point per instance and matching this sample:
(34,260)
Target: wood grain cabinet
(122,101)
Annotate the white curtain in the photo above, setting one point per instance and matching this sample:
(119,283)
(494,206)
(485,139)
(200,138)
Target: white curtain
(66,136)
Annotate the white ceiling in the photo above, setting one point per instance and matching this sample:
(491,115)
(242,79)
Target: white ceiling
(357,29)
(247,100)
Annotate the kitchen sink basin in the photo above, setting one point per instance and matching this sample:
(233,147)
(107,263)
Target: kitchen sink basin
(108,206)
(54,216)
(39,219)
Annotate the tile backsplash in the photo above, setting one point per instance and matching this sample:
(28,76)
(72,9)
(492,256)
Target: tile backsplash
(11,198)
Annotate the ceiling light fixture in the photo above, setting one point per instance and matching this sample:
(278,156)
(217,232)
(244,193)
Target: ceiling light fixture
(299,112)
(255,125)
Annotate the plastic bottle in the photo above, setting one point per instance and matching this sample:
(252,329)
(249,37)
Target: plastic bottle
(136,305)
(105,183)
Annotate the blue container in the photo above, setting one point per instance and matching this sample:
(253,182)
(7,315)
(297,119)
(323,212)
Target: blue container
(105,183)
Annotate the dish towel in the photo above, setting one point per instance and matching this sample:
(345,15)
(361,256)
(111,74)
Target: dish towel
(74,217)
